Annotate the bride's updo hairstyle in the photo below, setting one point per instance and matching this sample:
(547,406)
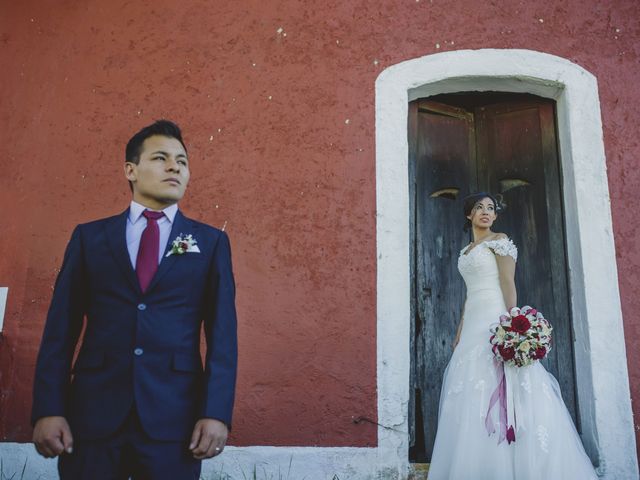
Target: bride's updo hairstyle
(470,201)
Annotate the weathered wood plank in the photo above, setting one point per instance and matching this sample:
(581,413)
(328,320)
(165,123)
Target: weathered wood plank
(561,314)
(413,135)
(443,161)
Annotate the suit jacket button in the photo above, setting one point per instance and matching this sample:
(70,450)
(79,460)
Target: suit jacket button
(138,351)
(142,306)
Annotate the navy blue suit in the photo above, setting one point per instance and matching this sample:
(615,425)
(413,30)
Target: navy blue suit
(140,351)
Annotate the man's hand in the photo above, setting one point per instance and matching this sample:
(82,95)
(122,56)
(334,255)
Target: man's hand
(208,439)
(52,436)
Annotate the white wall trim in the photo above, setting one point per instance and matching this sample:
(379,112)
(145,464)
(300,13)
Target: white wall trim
(3,304)
(235,463)
(602,378)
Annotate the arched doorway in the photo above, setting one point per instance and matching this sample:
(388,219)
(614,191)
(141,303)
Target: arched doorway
(601,374)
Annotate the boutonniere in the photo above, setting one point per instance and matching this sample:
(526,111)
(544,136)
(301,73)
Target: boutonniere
(183,244)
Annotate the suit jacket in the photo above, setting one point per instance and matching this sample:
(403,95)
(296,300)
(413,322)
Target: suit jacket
(139,349)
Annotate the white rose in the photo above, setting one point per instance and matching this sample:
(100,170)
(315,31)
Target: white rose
(524,346)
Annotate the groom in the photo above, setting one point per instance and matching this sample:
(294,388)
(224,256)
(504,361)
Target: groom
(137,402)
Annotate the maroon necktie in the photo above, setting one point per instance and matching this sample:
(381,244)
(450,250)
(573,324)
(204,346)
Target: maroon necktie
(147,260)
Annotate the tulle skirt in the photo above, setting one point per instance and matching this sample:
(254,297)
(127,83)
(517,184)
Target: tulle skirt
(547,445)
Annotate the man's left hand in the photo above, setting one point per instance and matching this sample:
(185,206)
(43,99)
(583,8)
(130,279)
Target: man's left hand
(208,439)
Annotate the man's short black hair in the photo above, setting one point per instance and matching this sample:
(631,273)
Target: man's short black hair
(159,127)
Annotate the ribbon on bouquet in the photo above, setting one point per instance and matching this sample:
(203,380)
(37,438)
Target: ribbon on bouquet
(503,397)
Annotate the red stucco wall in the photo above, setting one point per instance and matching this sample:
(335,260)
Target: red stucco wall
(280,126)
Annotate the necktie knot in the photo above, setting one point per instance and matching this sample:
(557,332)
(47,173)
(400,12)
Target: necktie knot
(151,215)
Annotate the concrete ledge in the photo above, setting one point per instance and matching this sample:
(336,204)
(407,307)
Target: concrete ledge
(237,463)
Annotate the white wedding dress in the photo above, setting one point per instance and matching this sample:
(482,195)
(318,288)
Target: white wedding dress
(547,445)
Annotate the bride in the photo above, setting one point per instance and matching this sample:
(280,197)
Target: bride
(470,442)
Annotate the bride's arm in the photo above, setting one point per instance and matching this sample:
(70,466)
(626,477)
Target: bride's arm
(457,339)
(507,270)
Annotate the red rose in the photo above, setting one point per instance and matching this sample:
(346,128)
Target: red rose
(540,353)
(506,353)
(520,324)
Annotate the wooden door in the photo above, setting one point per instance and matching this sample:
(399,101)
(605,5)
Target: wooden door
(459,144)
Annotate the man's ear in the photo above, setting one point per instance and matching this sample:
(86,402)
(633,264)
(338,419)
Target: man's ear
(130,171)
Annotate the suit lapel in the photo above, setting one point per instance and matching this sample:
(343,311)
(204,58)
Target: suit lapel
(181,225)
(116,236)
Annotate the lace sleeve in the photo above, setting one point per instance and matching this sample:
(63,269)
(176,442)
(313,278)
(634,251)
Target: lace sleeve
(503,247)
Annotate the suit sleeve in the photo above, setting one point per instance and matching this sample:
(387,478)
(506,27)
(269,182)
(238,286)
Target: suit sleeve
(61,332)
(220,325)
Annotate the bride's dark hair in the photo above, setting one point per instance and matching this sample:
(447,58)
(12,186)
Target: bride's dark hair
(469,202)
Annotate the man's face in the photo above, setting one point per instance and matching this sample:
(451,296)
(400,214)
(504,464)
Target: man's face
(161,176)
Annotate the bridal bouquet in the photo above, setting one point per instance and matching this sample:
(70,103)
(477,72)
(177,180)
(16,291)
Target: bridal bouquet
(521,337)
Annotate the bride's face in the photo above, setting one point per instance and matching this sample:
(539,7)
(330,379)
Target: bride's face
(483,214)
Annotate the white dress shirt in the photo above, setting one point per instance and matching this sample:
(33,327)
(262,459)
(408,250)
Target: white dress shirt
(136,223)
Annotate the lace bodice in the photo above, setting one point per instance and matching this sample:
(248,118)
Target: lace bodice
(479,268)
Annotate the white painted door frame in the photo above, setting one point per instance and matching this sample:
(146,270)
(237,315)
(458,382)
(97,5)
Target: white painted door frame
(601,376)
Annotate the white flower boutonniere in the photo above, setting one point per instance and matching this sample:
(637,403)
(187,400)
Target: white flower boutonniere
(183,244)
